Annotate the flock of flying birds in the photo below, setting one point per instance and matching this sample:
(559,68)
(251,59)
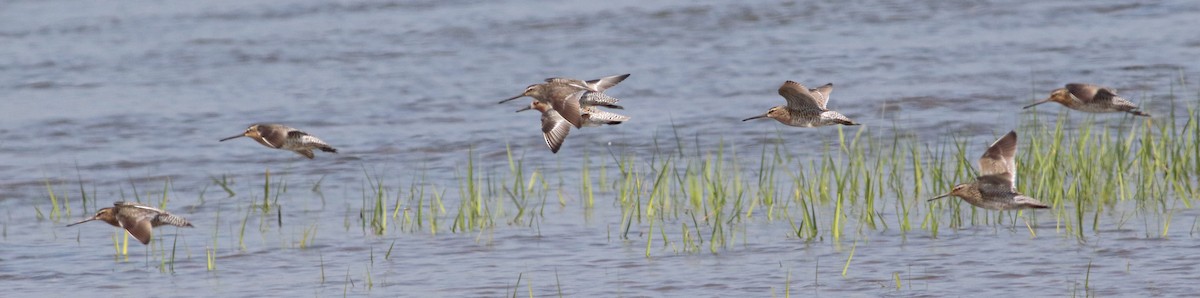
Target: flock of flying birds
(566,103)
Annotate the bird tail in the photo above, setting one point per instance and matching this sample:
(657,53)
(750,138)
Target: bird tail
(173,220)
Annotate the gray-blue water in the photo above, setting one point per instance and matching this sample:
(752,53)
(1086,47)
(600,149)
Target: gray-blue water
(128,98)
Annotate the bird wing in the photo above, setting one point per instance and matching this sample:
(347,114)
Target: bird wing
(578,84)
(275,137)
(136,205)
(999,159)
(567,107)
(1091,93)
(798,97)
(296,134)
(606,82)
(554,129)
(138,225)
(593,85)
(822,93)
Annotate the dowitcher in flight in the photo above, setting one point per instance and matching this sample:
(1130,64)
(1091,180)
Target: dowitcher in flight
(286,138)
(555,128)
(805,107)
(1092,99)
(555,92)
(137,219)
(996,188)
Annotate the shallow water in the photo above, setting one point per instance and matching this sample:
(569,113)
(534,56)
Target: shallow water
(126,99)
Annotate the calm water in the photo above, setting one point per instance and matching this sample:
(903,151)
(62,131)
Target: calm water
(123,97)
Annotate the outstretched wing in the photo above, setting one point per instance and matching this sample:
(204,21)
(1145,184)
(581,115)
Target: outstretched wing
(138,226)
(275,137)
(568,107)
(1091,93)
(999,159)
(798,97)
(554,129)
(136,205)
(593,85)
(822,94)
(606,82)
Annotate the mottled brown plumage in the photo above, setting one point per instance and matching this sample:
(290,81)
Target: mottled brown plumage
(286,138)
(805,107)
(557,91)
(555,128)
(137,219)
(996,186)
(1092,99)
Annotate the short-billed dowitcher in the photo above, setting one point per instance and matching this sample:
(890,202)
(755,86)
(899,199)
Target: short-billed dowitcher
(282,137)
(996,188)
(555,128)
(137,219)
(555,92)
(805,107)
(1092,99)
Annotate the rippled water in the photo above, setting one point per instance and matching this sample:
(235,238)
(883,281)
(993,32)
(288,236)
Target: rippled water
(126,97)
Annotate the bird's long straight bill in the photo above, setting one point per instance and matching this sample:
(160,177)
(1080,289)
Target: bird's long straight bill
(233,137)
(82,221)
(1037,103)
(511,98)
(938,197)
(755,117)
(525,109)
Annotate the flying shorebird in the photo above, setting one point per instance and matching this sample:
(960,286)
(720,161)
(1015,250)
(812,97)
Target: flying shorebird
(282,137)
(137,219)
(805,107)
(1092,99)
(555,128)
(555,92)
(996,188)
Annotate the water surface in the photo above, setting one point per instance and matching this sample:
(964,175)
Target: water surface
(127,99)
